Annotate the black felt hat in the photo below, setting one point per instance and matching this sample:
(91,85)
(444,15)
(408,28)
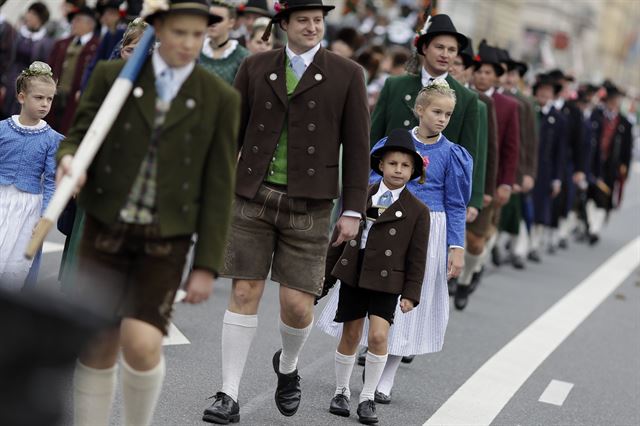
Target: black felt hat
(103,5)
(402,141)
(184,7)
(438,25)
(284,8)
(611,89)
(259,7)
(547,80)
(558,74)
(488,55)
(467,53)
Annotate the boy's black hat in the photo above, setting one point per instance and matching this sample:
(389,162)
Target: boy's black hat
(438,25)
(402,141)
(558,74)
(547,80)
(185,7)
(488,55)
(259,7)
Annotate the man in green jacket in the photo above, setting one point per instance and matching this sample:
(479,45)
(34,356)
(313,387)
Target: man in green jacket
(165,171)
(438,43)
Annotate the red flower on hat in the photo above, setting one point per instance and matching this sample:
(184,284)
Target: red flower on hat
(477,58)
(278,6)
(415,40)
(242,7)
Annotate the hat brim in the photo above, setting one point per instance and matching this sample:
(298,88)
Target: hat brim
(286,12)
(497,67)
(463,41)
(212,19)
(378,154)
(255,10)
(557,87)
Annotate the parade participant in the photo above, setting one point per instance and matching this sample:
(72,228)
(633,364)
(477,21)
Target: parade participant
(27,170)
(438,43)
(612,131)
(255,43)
(487,72)
(370,287)
(69,58)
(220,54)
(550,160)
(447,191)
(248,13)
(164,171)
(32,44)
(512,226)
(287,175)
(564,218)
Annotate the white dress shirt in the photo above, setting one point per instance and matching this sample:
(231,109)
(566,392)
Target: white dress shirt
(307,56)
(85,38)
(180,75)
(426,77)
(395,194)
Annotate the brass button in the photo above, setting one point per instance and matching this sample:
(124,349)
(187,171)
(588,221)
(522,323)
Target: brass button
(311,127)
(344,262)
(249,171)
(255,149)
(268,105)
(271,173)
(406,123)
(384,273)
(311,172)
(261,127)
(311,104)
(407,98)
(392,231)
(311,150)
(398,214)
(388,253)
(353,243)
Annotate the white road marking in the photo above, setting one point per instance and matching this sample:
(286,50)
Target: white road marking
(49,247)
(175,337)
(556,392)
(479,400)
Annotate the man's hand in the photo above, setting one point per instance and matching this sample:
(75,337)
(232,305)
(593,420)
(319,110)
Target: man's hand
(455,262)
(347,228)
(623,171)
(556,186)
(503,193)
(472,214)
(486,200)
(528,183)
(199,286)
(64,168)
(406,305)
(579,177)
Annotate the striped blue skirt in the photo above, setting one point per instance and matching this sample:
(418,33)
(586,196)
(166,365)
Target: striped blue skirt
(422,330)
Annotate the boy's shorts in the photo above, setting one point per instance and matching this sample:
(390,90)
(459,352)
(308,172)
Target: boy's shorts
(357,302)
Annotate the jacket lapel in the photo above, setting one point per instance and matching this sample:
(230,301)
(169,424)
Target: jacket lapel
(144,93)
(314,75)
(186,102)
(275,76)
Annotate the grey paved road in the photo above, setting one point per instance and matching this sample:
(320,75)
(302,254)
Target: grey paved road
(600,358)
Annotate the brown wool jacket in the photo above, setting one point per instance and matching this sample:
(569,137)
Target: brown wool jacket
(396,251)
(328,109)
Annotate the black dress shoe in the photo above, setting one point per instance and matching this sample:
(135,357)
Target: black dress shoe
(362,356)
(517,262)
(408,359)
(223,411)
(452,284)
(462,297)
(593,239)
(534,256)
(288,392)
(563,243)
(381,398)
(340,405)
(367,412)
(475,281)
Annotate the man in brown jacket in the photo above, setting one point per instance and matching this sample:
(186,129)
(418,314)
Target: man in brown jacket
(301,104)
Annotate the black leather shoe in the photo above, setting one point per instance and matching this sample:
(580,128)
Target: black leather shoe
(534,256)
(563,243)
(475,281)
(593,239)
(340,405)
(223,411)
(462,297)
(496,256)
(362,356)
(452,284)
(517,262)
(408,359)
(381,398)
(367,412)
(288,392)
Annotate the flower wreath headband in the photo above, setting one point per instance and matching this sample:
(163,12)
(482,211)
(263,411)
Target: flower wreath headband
(37,69)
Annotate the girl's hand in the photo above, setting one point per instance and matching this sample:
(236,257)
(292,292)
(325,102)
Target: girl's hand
(455,262)
(406,305)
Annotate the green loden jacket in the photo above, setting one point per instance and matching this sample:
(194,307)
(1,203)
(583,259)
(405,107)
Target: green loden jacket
(196,155)
(394,110)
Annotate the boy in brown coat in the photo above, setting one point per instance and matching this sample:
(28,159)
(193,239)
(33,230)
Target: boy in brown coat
(385,260)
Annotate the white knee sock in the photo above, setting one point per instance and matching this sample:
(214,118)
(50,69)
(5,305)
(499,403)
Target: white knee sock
(537,232)
(140,393)
(471,261)
(344,367)
(93,392)
(374,367)
(292,342)
(520,246)
(238,332)
(389,374)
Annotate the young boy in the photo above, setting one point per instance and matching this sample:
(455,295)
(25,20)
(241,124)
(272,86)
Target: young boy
(386,259)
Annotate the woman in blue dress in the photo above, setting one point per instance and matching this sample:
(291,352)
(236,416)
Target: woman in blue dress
(446,192)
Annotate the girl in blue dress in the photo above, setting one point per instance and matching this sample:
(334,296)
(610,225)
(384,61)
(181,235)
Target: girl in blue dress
(446,192)
(27,170)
